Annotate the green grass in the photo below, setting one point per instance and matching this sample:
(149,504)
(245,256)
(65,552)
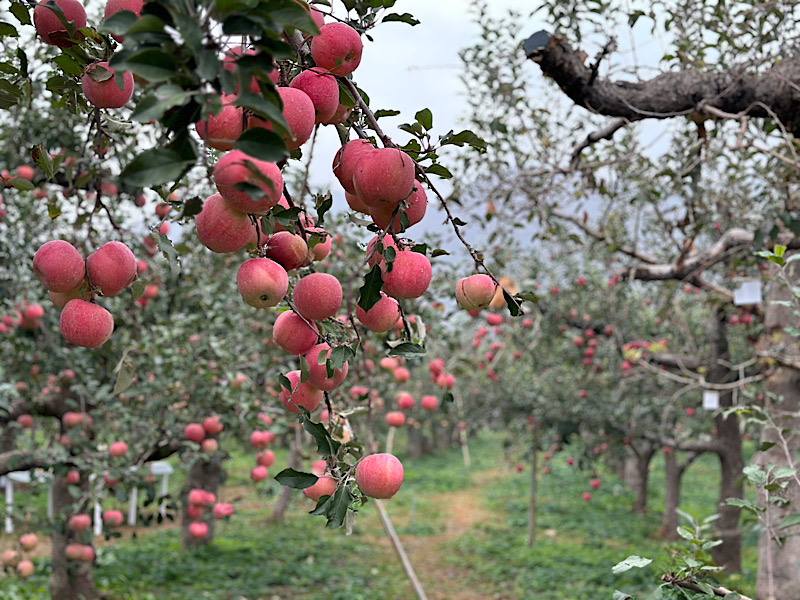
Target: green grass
(253,559)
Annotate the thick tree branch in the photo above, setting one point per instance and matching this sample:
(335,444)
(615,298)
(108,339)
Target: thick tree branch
(774,93)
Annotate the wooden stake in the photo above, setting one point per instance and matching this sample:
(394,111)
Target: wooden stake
(407,567)
(532,501)
(390,440)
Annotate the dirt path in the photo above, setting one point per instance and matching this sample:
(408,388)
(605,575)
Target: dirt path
(440,577)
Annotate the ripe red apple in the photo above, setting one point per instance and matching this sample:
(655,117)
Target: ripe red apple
(325,486)
(260,440)
(223,510)
(317,296)
(10,558)
(112,518)
(429,402)
(405,401)
(595,483)
(379,475)
(220,131)
(293,334)
(690,411)
(298,110)
(344,164)
(317,373)
(86,324)
(100,86)
(49,27)
(410,276)
(494,319)
(213,425)
(220,228)
(570,461)
(446,381)
(323,90)
(236,168)
(198,529)
(59,266)
(194,432)
(475,292)
(586,496)
(321,240)
(262,282)
(209,445)
(340,116)
(401,375)
(24,569)
(415,208)
(302,394)
(118,449)
(382,317)
(265,458)
(79,522)
(395,419)
(259,473)
(384,177)
(28,541)
(288,250)
(25,421)
(337,48)
(197,497)
(112,267)
(72,477)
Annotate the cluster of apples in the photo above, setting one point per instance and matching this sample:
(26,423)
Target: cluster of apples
(98,83)
(199,501)
(259,440)
(27,317)
(73,283)
(12,558)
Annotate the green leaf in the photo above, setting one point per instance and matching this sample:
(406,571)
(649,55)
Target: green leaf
(370,292)
(286,216)
(621,596)
(152,64)
(326,445)
(138,288)
(386,113)
(323,205)
(401,18)
(296,479)
(168,250)
(8,30)
(755,474)
(743,504)
(513,308)
(447,397)
(335,507)
(42,158)
(125,374)
(20,11)
(784,472)
(262,144)
(20,184)
(425,118)
(155,167)
(408,350)
(629,563)
(439,170)
(154,105)
(340,355)
(119,22)
(464,137)
(789,520)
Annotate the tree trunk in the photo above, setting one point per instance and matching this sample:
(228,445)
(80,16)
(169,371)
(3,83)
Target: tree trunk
(295,448)
(672,497)
(636,474)
(205,474)
(69,580)
(726,528)
(778,562)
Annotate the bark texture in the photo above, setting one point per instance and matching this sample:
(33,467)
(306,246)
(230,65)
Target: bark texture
(779,561)
(205,474)
(69,580)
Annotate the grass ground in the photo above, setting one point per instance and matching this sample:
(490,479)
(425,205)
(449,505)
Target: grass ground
(464,531)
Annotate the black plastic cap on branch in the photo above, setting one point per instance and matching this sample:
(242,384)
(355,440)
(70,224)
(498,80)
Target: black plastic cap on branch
(535,45)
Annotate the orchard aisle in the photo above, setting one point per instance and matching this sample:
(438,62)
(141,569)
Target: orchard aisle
(436,565)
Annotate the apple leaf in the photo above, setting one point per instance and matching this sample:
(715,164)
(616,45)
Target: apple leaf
(326,445)
(262,144)
(296,479)
(408,350)
(398,18)
(154,167)
(629,563)
(334,507)
(370,292)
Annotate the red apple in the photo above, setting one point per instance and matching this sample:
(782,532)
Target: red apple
(101,89)
(379,475)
